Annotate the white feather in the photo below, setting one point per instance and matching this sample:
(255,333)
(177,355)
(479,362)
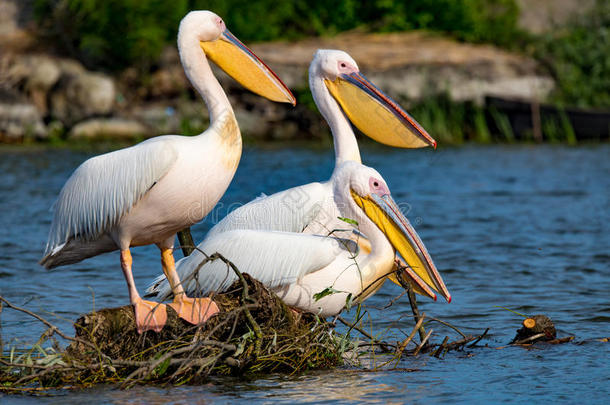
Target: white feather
(290,210)
(255,253)
(105,187)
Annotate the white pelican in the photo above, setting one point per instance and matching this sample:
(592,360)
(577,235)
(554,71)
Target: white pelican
(339,89)
(297,266)
(144,194)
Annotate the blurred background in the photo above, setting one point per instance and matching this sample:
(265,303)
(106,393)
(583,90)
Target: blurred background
(467,70)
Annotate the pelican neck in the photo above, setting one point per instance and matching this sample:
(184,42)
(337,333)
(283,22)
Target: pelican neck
(199,73)
(344,140)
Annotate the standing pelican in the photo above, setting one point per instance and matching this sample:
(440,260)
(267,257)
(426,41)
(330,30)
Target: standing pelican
(340,91)
(297,266)
(144,194)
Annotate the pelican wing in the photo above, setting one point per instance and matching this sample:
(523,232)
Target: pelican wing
(105,187)
(274,258)
(290,210)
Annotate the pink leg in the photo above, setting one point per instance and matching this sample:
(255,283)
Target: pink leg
(149,315)
(193,310)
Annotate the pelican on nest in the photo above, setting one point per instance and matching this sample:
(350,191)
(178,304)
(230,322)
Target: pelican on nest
(300,267)
(282,239)
(144,194)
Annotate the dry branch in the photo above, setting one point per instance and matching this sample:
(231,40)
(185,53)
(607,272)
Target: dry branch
(423,342)
(254,332)
(383,345)
(442,346)
(404,343)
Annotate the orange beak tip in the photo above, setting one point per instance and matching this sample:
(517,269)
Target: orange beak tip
(449,299)
(434,145)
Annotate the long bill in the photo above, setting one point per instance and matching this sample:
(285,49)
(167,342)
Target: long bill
(420,270)
(239,62)
(375,114)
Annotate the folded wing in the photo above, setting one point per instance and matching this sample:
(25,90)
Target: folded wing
(274,258)
(115,182)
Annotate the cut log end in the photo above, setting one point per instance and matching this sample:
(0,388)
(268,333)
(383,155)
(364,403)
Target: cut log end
(529,323)
(535,328)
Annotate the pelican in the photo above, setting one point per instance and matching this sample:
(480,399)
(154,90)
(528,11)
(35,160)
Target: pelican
(341,93)
(144,194)
(300,267)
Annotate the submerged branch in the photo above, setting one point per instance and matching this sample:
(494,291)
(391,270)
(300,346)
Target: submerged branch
(404,343)
(415,310)
(479,338)
(442,346)
(384,346)
(423,342)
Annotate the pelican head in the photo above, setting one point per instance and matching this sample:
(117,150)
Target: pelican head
(232,56)
(366,106)
(366,198)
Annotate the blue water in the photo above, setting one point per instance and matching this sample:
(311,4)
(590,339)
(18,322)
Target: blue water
(525,227)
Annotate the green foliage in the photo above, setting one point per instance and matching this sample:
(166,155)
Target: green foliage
(111,33)
(445,120)
(471,20)
(451,122)
(503,124)
(327,291)
(558,129)
(117,33)
(578,58)
(349,221)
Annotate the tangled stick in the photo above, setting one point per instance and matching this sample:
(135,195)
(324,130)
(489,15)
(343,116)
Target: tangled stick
(255,332)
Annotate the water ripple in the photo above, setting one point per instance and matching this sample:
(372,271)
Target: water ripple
(523,227)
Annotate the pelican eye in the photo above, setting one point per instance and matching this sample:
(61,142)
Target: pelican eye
(376,184)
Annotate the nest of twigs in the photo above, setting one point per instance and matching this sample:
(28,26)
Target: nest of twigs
(255,332)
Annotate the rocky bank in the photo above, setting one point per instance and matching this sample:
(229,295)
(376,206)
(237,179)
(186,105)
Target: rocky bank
(42,95)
